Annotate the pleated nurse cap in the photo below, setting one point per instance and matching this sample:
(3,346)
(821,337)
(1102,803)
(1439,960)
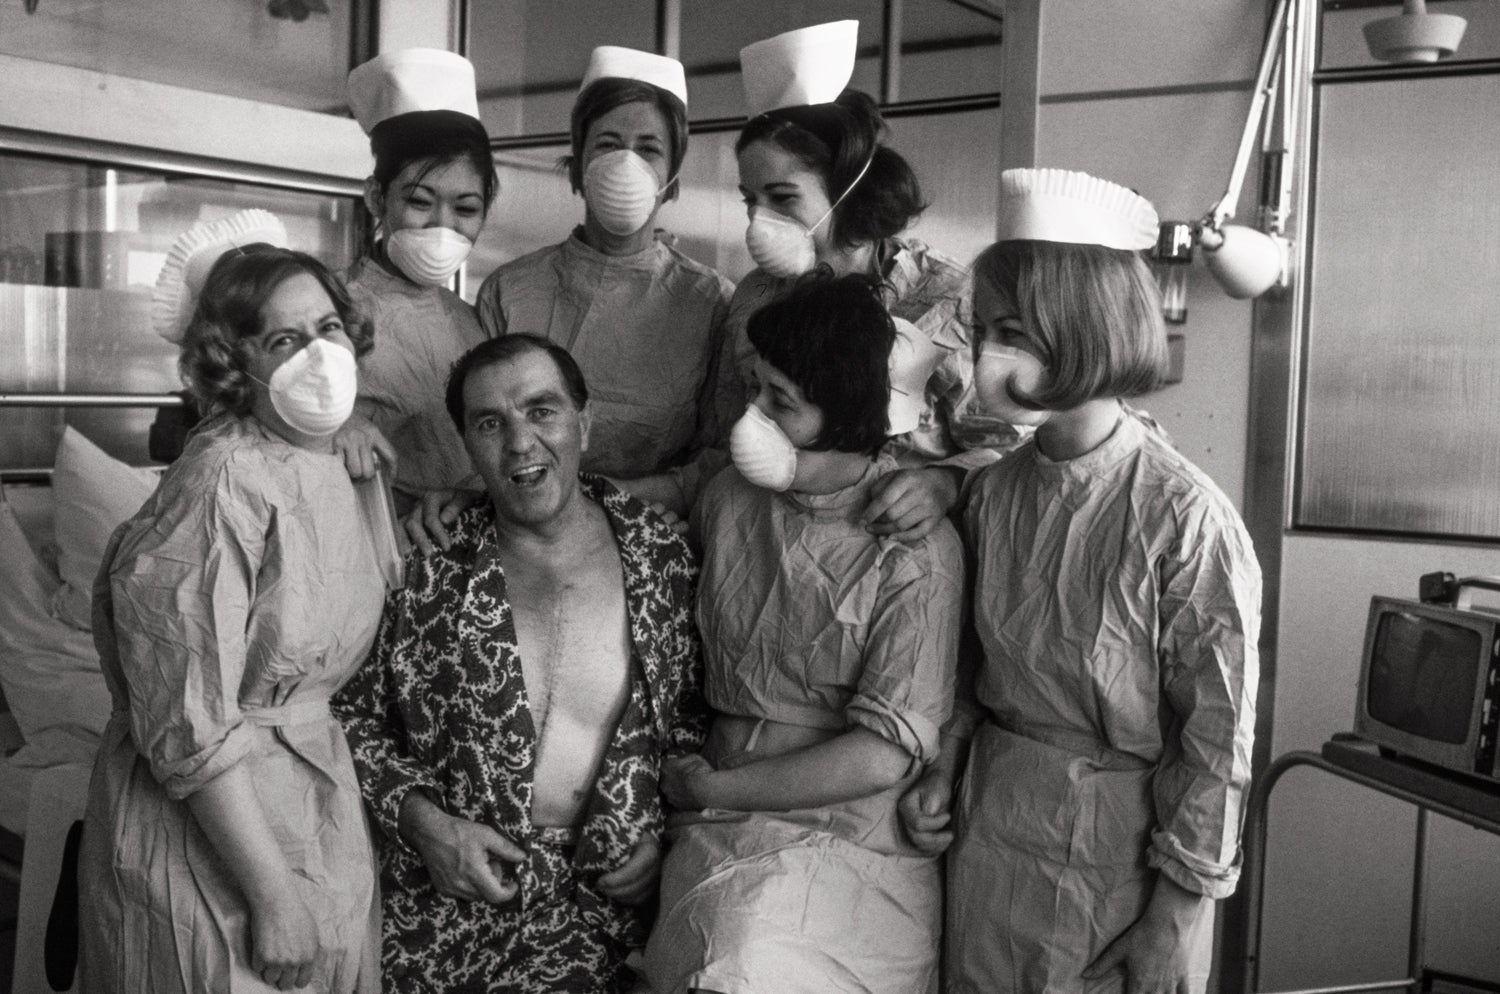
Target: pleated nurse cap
(410,80)
(798,68)
(1061,205)
(194,253)
(614,62)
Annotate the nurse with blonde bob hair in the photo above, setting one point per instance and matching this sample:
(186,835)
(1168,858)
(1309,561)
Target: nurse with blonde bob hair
(1117,601)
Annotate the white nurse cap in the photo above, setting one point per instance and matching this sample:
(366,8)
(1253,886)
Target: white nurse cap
(614,62)
(1061,205)
(411,79)
(806,66)
(913,358)
(193,254)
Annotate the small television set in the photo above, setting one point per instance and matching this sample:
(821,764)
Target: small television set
(1429,685)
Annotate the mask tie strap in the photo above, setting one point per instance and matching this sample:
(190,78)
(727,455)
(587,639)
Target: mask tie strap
(847,190)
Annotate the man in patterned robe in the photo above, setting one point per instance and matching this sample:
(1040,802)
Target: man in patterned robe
(525,686)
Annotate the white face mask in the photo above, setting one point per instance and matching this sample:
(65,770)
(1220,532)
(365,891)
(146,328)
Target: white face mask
(621,191)
(429,256)
(995,369)
(780,245)
(762,452)
(314,389)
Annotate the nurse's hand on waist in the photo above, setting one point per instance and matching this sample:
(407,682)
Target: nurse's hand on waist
(635,880)
(1156,953)
(427,525)
(465,859)
(361,444)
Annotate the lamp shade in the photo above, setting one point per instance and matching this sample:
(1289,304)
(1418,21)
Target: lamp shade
(1246,262)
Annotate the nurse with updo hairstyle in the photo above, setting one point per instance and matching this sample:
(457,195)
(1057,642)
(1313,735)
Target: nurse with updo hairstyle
(824,190)
(429,195)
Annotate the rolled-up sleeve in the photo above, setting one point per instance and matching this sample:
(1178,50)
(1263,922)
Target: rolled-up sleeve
(179,600)
(905,689)
(1210,623)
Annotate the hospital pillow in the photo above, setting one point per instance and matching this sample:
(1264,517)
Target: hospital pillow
(93,493)
(49,671)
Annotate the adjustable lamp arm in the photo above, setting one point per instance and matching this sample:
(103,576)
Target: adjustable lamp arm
(1270,60)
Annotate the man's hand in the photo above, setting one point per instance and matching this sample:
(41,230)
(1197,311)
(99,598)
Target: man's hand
(925,811)
(465,859)
(669,517)
(1154,952)
(427,524)
(634,881)
(284,941)
(684,782)
(908,503)
(360,442)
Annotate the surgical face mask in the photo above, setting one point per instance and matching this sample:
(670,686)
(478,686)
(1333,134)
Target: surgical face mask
(762,452)
(429,256)
(996,369)
(621,191)
(782,246)
(314,389)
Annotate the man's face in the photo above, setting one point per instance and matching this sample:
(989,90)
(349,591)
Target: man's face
(525,437)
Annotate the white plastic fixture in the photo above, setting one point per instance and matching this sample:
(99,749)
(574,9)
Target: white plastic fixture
(1414,35)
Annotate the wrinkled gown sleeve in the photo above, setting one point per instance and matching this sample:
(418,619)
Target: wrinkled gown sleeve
(717,413)
(367,708)
(180,606)
(905,689)
(1209,616)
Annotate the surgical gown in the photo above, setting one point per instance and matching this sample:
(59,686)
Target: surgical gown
(934,293)
(644,328)
(420,332)
(810,620)
(1117,599)
(228,610)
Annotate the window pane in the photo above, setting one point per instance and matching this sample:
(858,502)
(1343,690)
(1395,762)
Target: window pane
(947,51)
(530,56)
(239,49)
(80,249)
(711,44)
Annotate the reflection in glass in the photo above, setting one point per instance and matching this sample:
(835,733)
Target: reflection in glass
(80,248)
(239,49)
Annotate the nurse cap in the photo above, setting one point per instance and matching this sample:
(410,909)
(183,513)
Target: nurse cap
(1061,205)
(614,62)
(410,80)
(913,358)
(801,67)
(193,254)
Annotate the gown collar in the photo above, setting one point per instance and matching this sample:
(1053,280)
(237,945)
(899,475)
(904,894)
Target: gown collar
(578,251)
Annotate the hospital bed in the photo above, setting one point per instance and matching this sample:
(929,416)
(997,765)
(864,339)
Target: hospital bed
(54,523)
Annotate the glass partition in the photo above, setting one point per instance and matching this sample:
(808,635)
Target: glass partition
(80,248)
(293,53)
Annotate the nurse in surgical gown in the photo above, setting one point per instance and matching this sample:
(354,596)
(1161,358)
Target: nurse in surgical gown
(642,319)
(224,819)
(430,193)
(1117,600)
(829,656)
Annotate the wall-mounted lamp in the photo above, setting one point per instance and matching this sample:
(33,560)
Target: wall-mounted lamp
(1414,35)
(1246,261)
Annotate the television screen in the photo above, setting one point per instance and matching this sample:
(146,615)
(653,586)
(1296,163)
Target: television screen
(1422,677)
